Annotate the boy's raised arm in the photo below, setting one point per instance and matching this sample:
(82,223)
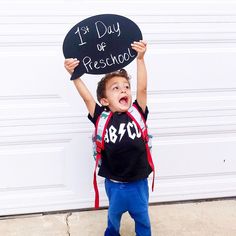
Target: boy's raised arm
(141,93)
(90,102)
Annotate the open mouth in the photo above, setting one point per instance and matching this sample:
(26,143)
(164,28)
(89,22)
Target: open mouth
(123,100)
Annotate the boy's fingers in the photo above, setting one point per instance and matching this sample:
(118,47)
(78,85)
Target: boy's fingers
(143,42)
(138,46)
(69,63)
(70,60)
(140,42)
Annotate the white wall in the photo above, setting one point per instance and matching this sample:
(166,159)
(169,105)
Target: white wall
(45,147)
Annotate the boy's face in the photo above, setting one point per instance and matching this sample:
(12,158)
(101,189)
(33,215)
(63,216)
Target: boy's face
(118,94)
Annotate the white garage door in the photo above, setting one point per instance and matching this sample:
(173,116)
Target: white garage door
(45,147)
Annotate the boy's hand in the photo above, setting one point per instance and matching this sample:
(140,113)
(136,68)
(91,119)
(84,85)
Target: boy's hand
(140,47)
(70,64)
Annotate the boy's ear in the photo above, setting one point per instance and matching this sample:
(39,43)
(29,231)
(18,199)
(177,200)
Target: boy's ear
(104,102)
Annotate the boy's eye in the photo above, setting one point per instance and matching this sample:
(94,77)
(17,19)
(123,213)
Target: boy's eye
(115,88)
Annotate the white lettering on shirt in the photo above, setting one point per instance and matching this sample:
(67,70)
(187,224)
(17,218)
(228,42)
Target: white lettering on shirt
(112,134)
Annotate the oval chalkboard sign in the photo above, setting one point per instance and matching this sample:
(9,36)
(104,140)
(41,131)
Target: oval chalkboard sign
(101,43)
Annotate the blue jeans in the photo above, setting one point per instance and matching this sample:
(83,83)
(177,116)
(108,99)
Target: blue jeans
(132,197)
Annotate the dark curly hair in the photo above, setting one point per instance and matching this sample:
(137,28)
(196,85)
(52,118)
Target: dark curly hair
(101,87)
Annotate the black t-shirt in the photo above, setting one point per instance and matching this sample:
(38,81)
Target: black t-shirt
(124,158)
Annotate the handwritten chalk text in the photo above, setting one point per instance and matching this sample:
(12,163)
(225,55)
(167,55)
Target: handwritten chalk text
(82,42)
(103,29)
(101,46)
(104,62)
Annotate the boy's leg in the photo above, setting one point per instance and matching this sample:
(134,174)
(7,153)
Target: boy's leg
(138,208)
(113,226)
(116,208)
(142,224)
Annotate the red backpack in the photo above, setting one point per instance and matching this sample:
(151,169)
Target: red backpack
(98,141)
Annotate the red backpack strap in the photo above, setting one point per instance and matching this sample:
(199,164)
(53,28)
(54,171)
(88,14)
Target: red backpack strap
(139,120)
(100,131)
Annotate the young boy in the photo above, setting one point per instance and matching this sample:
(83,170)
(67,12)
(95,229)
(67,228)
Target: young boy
(124,163)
